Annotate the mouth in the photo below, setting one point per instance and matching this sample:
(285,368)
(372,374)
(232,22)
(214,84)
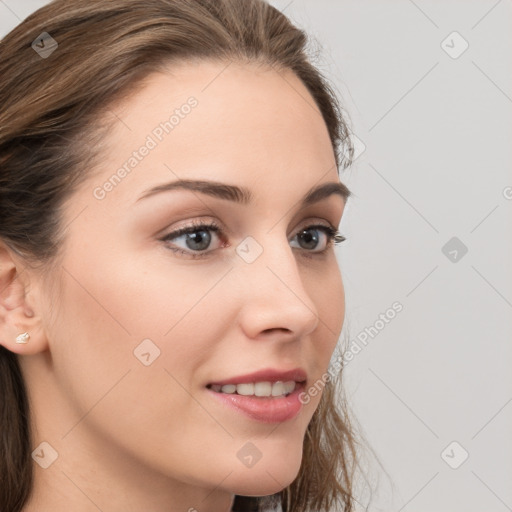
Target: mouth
(268,396)
(257,389)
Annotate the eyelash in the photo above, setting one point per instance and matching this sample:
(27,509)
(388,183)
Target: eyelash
(333,237)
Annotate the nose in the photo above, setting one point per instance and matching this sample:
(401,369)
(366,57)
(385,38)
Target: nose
(273,296)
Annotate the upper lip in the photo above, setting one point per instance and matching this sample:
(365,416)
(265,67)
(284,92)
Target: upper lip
(265,375)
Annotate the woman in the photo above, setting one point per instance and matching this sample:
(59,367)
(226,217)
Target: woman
(170,297)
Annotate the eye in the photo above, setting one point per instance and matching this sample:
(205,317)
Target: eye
(318,238)
(196,239)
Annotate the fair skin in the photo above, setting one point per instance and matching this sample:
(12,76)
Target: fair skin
(132,437)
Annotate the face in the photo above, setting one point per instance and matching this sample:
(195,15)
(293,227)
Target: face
(153,328)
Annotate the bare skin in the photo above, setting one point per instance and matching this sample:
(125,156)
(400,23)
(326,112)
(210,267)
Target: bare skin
(133,437)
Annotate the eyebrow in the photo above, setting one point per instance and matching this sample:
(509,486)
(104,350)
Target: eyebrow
(243,195)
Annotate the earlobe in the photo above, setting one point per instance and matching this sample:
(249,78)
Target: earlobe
(23,338)
(20,327)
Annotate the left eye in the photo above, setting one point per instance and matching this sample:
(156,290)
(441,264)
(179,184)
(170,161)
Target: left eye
(198,239)
(309,238)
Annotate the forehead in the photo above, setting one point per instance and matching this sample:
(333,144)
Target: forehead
(238,123)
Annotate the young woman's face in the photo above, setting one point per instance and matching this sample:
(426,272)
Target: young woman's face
(144,332)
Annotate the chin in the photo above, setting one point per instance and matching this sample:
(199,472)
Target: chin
(266,477)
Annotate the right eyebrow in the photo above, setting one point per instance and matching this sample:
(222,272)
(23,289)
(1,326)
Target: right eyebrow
(243,195)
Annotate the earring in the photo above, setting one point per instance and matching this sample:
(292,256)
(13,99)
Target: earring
(23,338)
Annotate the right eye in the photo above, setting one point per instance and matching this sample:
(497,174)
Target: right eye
(197,239)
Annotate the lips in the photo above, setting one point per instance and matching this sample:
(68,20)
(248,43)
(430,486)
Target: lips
(249,394)
(268,375)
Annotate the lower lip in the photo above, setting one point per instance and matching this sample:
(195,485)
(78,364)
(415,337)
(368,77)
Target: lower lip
(262,408)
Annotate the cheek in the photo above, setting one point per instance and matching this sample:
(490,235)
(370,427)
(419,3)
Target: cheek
(121,310)
(334,304)
(328,294)
(129,341)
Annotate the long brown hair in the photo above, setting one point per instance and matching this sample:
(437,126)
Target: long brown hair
(50,136)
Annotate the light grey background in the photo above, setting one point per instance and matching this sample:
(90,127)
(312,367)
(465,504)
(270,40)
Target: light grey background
(436,133)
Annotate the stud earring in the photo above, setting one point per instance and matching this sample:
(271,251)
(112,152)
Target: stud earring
(23,338)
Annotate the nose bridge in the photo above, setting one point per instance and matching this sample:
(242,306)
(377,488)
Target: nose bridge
(274,295)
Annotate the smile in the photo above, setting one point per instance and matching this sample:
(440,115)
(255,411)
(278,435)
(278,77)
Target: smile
(262,389)
(268,395)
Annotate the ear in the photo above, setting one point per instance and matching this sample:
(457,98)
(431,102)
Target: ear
(19,310)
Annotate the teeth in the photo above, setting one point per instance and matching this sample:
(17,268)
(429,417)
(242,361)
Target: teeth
(245,389)
(289,387)
(278,388)
(257,388)
(263,389)
(228,388)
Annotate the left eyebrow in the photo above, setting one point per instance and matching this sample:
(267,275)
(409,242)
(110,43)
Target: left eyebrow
(243,195)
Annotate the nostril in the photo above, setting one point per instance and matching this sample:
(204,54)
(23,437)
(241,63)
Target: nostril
(272,329)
